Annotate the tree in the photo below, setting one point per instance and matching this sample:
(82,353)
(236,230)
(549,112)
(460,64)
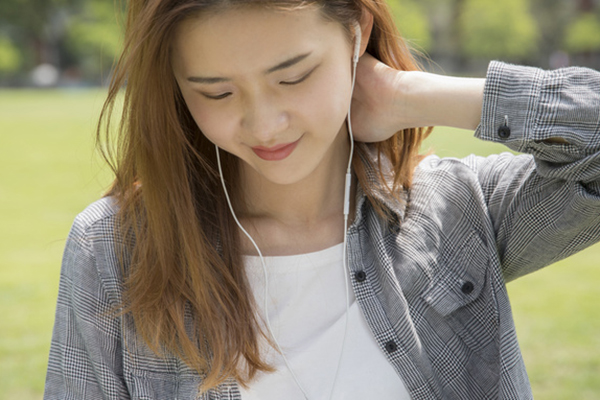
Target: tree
(412,21)
(552,17)
(583,34)
(498,29)
(94,37)
(36,24)
(10,57)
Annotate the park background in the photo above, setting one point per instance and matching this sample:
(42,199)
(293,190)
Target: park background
(55,62)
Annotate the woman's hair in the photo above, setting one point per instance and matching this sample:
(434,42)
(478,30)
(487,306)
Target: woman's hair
(185,285)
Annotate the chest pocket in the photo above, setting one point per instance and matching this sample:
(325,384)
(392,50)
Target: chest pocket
(462,298)
(148,385)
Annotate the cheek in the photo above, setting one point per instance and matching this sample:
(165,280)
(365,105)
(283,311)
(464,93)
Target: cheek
(216,127)
(330,100)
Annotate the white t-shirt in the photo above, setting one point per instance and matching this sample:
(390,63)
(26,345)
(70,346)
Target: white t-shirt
(307,306)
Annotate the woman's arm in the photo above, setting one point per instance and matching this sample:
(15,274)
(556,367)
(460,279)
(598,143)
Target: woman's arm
(386,100)
(543,208)
(549,209)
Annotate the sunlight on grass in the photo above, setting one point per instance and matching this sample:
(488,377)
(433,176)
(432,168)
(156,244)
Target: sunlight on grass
(47,175)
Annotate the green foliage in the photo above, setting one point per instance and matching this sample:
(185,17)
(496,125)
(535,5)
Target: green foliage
(31,17)
(10,57)
(94,36)
(583,34)
(36,27)
(498,29)
(412,21)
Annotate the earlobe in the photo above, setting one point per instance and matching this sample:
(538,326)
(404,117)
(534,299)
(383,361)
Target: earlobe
(366,24)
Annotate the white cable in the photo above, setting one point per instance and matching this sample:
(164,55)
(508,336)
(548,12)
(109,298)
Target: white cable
(264,267)
(347,205)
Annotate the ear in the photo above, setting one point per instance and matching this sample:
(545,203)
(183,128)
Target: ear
(366,26)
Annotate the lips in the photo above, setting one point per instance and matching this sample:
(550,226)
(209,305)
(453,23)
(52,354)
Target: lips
(275,153)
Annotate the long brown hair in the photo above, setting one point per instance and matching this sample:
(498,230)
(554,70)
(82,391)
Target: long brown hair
(185,286)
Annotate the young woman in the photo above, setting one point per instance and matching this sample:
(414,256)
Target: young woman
(216,265)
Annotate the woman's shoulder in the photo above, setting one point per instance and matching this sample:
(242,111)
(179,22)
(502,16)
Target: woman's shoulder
(96,228)
(93,246)
(472,179)
(472,162)
(100,213)
(473,169)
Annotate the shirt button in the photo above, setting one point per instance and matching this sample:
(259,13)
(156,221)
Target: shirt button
(391,346)
(360,276)
(467,287)
(504,132)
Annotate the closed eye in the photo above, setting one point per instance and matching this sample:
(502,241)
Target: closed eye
(301,79)
(216,97)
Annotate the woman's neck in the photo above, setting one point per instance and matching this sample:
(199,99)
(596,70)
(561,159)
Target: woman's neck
(301,217)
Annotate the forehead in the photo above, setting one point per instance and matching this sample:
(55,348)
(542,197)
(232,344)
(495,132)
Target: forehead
(244,36)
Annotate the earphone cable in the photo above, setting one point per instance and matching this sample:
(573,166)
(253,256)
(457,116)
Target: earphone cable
(266,276)
(347,212)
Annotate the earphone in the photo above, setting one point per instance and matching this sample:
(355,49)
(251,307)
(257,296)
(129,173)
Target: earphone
(355,57)
(357,42)
(348,184)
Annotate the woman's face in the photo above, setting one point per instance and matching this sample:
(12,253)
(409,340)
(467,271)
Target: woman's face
(271,87)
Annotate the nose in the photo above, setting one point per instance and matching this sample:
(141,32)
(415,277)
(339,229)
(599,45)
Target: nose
(264,118)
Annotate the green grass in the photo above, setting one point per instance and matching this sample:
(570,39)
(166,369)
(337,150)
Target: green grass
(48,173)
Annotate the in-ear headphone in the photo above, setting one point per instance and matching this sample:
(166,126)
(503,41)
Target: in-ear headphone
(357,40)
(355,57)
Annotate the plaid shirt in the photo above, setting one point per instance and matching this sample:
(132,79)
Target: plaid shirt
(431,284)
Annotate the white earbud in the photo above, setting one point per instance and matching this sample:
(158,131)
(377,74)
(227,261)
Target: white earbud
(357,40)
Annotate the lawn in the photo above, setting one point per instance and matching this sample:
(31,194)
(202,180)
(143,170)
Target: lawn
(49,173)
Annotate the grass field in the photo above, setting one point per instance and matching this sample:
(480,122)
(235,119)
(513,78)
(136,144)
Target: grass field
(49,173)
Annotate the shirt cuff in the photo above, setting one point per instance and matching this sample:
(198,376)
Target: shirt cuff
(510,103)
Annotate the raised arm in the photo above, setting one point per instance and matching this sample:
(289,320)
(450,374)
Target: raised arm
(386,100)
(544,205)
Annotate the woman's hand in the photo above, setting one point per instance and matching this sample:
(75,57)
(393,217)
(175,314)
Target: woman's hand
(377,101)
(386,100)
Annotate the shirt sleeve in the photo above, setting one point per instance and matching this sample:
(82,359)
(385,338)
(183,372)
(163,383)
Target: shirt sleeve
(544,205)
(86,353)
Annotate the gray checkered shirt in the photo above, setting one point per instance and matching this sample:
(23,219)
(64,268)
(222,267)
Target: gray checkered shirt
(431,284)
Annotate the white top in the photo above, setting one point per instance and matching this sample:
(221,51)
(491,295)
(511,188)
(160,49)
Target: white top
(307,309)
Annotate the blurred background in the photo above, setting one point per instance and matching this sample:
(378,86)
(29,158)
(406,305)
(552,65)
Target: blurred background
(73,42)
(55,62)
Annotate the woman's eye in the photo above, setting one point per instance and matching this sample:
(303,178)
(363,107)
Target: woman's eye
(216,97)
(297,81)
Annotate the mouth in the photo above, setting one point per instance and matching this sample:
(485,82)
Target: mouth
(277,152)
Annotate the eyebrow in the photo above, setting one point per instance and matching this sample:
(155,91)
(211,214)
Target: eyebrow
(286,64)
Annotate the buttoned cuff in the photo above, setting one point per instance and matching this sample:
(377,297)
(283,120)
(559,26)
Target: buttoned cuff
(527,109)
(510,103)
